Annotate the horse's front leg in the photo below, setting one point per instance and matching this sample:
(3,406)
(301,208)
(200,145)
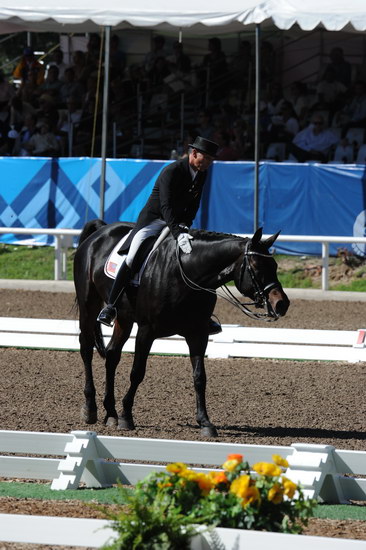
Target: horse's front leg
(197,346)
(120,336)
(143,344)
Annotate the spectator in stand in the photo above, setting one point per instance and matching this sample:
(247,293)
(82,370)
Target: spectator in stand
(58,61)
(79,67)
(353,115)
(275,99)
(6,144)
(48,111)
(68,122)
(313,142)
(214,63)
(330,92)
(341,67)
(87,139)
(29,128)
(7,91)
(300,101)
(52,84)
(205,127)
(241,68)
(117,58)
(28,91)
(179,62)
(158,74)
(44,142)
(239,140)
(285,125)
(225,151)
(19,111)
(71,87)
(158,50)
(27,64)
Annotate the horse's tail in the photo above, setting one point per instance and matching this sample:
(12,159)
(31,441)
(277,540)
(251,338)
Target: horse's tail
(99,340)
(90,228)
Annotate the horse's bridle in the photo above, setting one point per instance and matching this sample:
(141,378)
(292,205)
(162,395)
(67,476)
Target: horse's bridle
(260,294)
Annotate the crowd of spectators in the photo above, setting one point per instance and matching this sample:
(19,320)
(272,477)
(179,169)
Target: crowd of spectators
(55,100)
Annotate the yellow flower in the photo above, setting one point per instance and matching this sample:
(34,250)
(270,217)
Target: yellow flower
(240,485)
(277,459)
(267,469)
(275,494)
(249,494)
(190,475)
(289,487)
(205,483)
(218,477)
(176,467)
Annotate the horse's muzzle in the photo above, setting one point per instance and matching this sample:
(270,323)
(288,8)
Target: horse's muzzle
(279,301)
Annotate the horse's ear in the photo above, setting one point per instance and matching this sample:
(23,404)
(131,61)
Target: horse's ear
(257,235)
(269,242)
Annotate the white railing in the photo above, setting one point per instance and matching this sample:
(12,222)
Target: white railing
(63,238)
(325,473)
(63,241)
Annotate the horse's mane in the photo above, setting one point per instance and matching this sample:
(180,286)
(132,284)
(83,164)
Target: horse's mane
(213,235)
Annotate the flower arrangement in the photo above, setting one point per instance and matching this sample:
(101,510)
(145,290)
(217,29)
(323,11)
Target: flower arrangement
(166,507)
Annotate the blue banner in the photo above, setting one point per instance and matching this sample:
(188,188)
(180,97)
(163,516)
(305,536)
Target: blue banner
(298,199)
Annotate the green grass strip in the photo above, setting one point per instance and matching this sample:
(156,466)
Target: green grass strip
(43,491)
(340,511)
(112,495)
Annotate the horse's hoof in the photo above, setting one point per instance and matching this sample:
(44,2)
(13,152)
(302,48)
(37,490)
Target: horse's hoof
(111,421)
(125,424)
(209,431)
(89,417)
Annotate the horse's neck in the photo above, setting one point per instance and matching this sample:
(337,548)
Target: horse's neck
(215,265)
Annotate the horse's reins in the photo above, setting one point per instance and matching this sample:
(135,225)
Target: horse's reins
(261,299)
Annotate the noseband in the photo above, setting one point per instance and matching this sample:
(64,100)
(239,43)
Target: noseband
(260,294)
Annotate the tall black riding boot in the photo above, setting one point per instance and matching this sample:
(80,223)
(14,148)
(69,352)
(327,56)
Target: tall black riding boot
(109,313)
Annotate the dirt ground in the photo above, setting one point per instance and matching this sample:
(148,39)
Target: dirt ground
(266,402)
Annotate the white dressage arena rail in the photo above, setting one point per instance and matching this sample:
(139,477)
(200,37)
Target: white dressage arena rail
(94,533)
(234,341)
(63,240)
(326,473)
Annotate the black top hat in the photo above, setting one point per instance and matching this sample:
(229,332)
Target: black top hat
(205,146)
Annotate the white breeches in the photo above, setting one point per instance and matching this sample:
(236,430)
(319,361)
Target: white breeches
(154,228)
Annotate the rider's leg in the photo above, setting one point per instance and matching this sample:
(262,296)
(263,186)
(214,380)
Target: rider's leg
(109,313)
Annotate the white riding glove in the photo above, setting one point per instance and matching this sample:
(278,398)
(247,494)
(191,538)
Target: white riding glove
(184,244)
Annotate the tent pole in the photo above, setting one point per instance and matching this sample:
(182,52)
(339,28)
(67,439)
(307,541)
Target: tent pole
(257,124)
(104,120)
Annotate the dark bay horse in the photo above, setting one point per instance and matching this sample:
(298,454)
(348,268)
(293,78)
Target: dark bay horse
(172,299)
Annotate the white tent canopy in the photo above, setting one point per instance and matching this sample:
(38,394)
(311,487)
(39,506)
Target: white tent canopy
(206,17)
(333,15)
(90,15)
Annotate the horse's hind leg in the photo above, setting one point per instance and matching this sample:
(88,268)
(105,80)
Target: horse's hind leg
(143,345)
(197,347)
(120,336)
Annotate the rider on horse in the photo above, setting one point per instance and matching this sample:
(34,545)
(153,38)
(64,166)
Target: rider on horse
(173,202)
